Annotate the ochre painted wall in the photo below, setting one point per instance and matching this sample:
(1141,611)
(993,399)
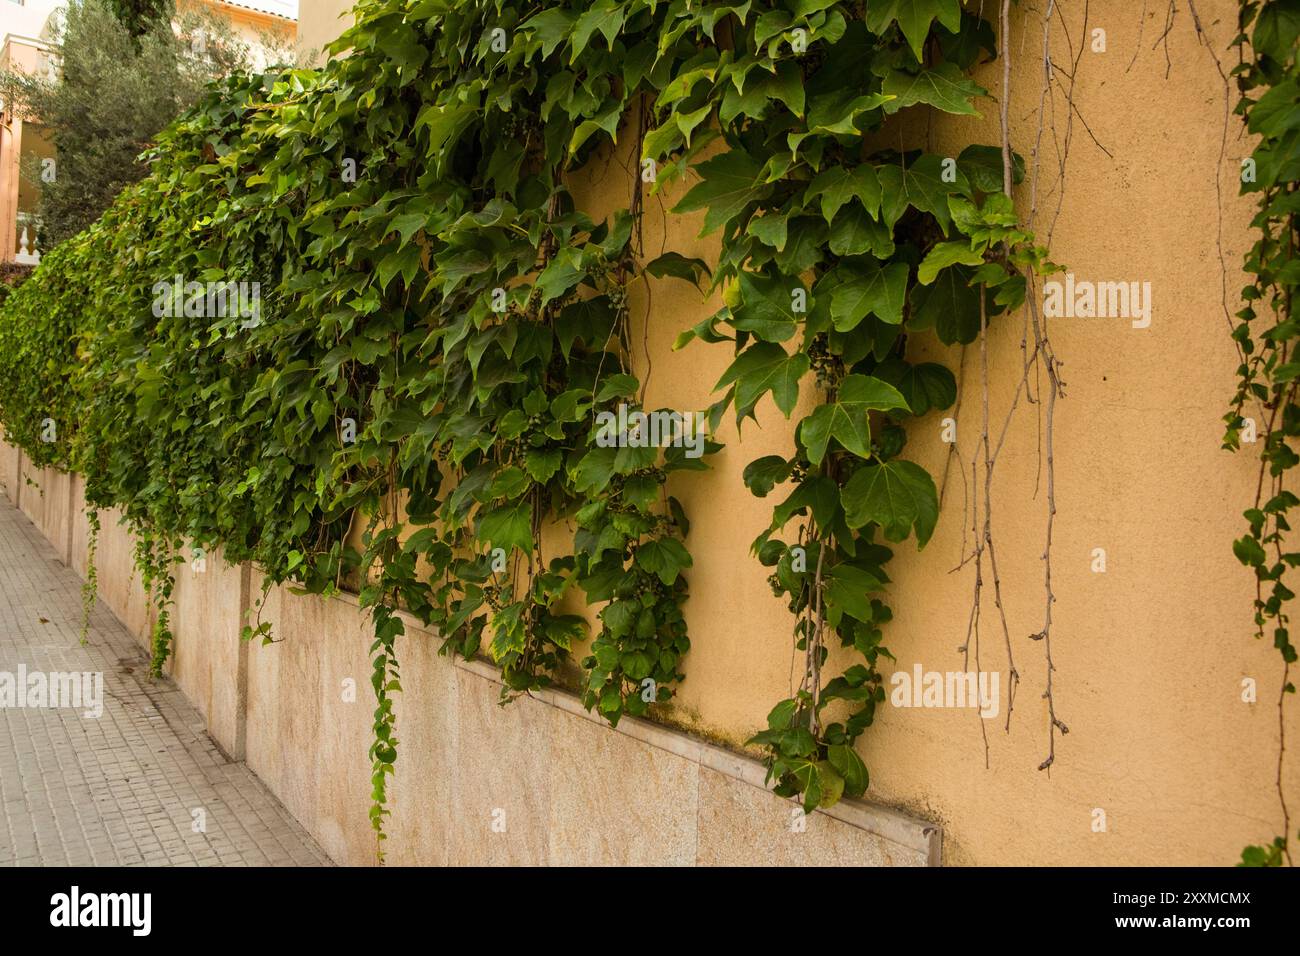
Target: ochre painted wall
(1151,654)
(320,21)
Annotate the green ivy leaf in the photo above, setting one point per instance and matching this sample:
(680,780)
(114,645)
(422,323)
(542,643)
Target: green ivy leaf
(920,185)
(560,276)
(694,271)
(552,27)
(849,765)
(871,290)
(924,386)
(830,783)
(1277,30)
(855,233)
(730,184)
(846,419)
(763,474)
(780,716)
(897,495)
(765,307)
(914,18)
(847,590)
(982,165)
(950,306)
(771,229)
(817,494)
(510,528)
(666,558)
(603,15)
(763,367)
(944,87)
(836,114)
(945,254)
(837,186)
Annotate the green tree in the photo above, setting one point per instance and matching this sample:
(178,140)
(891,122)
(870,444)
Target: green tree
(108,95)
(138,16)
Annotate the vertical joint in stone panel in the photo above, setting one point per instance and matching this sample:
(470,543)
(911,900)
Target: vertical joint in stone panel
(72,501)
(241,672)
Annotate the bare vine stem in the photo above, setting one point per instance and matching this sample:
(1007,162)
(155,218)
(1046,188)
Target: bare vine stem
(1055,390)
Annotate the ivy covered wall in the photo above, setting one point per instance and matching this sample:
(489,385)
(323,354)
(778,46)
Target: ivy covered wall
(1130,443)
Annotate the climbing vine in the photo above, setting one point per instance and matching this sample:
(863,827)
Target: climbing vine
(90,587)
(430,341)
(837,248)
(1264,408)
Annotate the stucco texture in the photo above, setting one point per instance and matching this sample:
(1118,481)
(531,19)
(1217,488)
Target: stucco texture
(1164,762)
(1150,654)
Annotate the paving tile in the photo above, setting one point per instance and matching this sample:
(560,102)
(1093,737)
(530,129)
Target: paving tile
(120,789)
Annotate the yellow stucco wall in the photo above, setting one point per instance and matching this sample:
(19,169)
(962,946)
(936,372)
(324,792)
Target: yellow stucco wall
(1151,654)
(320,21)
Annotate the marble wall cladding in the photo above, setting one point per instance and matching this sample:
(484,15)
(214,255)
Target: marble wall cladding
(648,795)
(31,492)
(10,458)
(742,825)
(80,527)
(423,787)
(501,803)
(309,714)
(341,641)
(56,515)
(615,799)
(118,583)
(284,744)
(206,647)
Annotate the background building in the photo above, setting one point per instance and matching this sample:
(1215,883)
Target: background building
(25,35)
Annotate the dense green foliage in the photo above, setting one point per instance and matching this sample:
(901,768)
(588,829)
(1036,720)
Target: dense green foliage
(138,17)
(12,275)
(106,98)
(439,327)
(1269,80)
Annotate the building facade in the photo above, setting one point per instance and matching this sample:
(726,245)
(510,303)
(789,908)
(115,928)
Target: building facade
(25,35)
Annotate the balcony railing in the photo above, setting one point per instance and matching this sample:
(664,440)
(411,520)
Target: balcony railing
(28,228)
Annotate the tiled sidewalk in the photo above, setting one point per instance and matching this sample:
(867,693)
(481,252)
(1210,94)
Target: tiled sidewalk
(142,785)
